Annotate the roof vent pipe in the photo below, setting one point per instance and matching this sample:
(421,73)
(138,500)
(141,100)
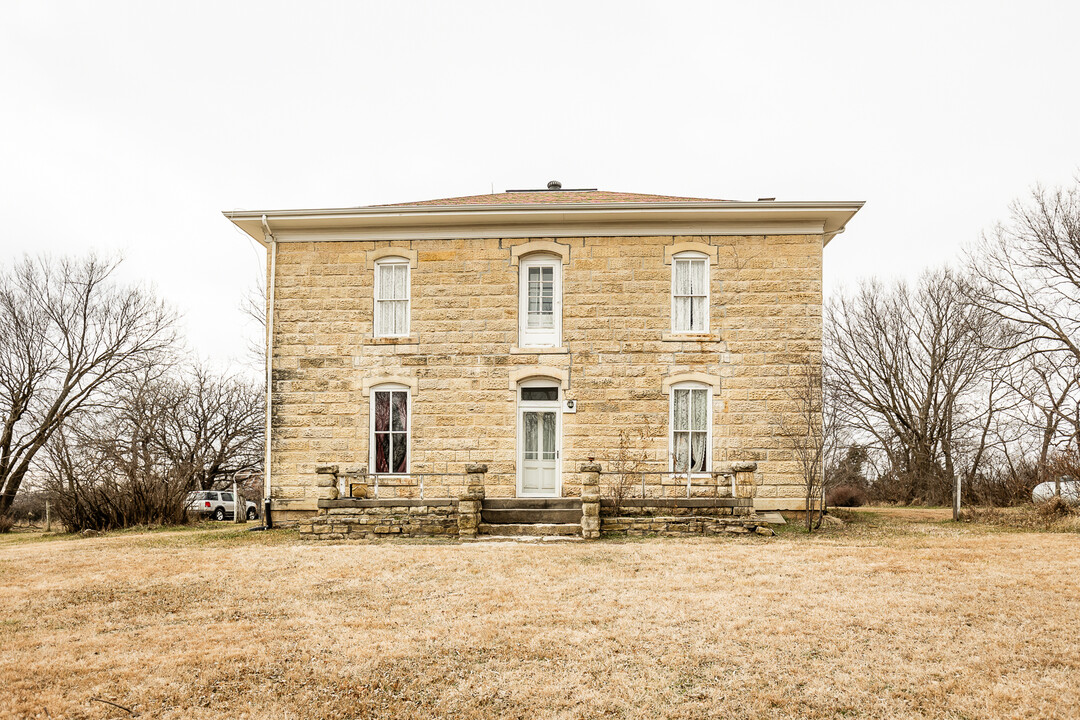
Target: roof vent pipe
(554,185)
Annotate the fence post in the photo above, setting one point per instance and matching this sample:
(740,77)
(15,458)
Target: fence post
(590,501)
(471,500)
(239,506)
(48,517)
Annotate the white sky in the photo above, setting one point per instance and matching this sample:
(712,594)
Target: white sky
(129,126)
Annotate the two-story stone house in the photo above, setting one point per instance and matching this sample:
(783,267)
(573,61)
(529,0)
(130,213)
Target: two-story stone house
(534,330)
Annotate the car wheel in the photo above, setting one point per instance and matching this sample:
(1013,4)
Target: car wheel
(219,514)
(251,514)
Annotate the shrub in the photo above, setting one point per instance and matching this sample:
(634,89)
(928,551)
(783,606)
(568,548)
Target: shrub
(6,523)
(1054,508)
(846,496)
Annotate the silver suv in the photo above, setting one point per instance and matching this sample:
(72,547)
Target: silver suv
(218,504)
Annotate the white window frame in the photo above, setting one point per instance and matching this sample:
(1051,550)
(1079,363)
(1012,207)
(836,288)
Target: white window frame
(706,471)
(687,256)
(539,337)
(394,261)
(390,387)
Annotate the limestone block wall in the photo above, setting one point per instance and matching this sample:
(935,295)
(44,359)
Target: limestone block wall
(461,355)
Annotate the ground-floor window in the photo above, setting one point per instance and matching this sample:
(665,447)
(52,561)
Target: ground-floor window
(390,429)
(691,423)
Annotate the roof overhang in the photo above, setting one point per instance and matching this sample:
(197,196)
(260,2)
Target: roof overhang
(566,220)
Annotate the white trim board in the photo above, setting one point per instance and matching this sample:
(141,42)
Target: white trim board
(549,221)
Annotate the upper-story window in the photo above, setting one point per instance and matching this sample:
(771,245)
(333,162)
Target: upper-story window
(540,303)
(690,427)
(391,297)
(690,293)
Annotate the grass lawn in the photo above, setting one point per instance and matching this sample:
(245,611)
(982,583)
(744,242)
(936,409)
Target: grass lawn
(885,617)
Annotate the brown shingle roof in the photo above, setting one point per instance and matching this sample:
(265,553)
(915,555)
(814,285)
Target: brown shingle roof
(553,197)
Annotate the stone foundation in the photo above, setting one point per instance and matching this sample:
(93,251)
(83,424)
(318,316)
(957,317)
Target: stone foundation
(459,517)
(353,519)
(681,525)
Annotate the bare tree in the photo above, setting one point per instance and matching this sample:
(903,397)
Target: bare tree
(105,470)
(809,428)
(1028,271)
(254,305)
(212,425)
(134,461)
(914,375)
(1049,385)
(67,332)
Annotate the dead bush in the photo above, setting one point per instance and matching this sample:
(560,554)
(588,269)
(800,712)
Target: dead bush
(1054,509)
(846,496)
(1025,518)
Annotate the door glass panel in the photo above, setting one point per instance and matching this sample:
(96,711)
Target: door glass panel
(530,447)
(549,435)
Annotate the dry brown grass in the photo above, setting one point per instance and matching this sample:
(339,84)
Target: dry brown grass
(878,618)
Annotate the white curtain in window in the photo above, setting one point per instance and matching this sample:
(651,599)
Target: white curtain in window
(392,300)
(690,429)
(690,287)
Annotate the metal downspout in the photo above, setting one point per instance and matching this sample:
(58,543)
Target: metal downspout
(269,237)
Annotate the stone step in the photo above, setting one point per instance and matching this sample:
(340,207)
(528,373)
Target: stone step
(529,529)
(570,503)
(531,515)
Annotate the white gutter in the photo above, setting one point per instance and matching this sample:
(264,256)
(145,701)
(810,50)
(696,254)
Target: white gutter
(271,242)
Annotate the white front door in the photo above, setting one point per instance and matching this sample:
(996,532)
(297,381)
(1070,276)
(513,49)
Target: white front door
(538,442)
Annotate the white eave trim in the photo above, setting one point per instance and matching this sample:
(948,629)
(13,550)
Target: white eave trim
(417,222)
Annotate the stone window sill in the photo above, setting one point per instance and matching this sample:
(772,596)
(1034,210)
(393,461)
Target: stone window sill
(515,350)
(690,337)
(410,340)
